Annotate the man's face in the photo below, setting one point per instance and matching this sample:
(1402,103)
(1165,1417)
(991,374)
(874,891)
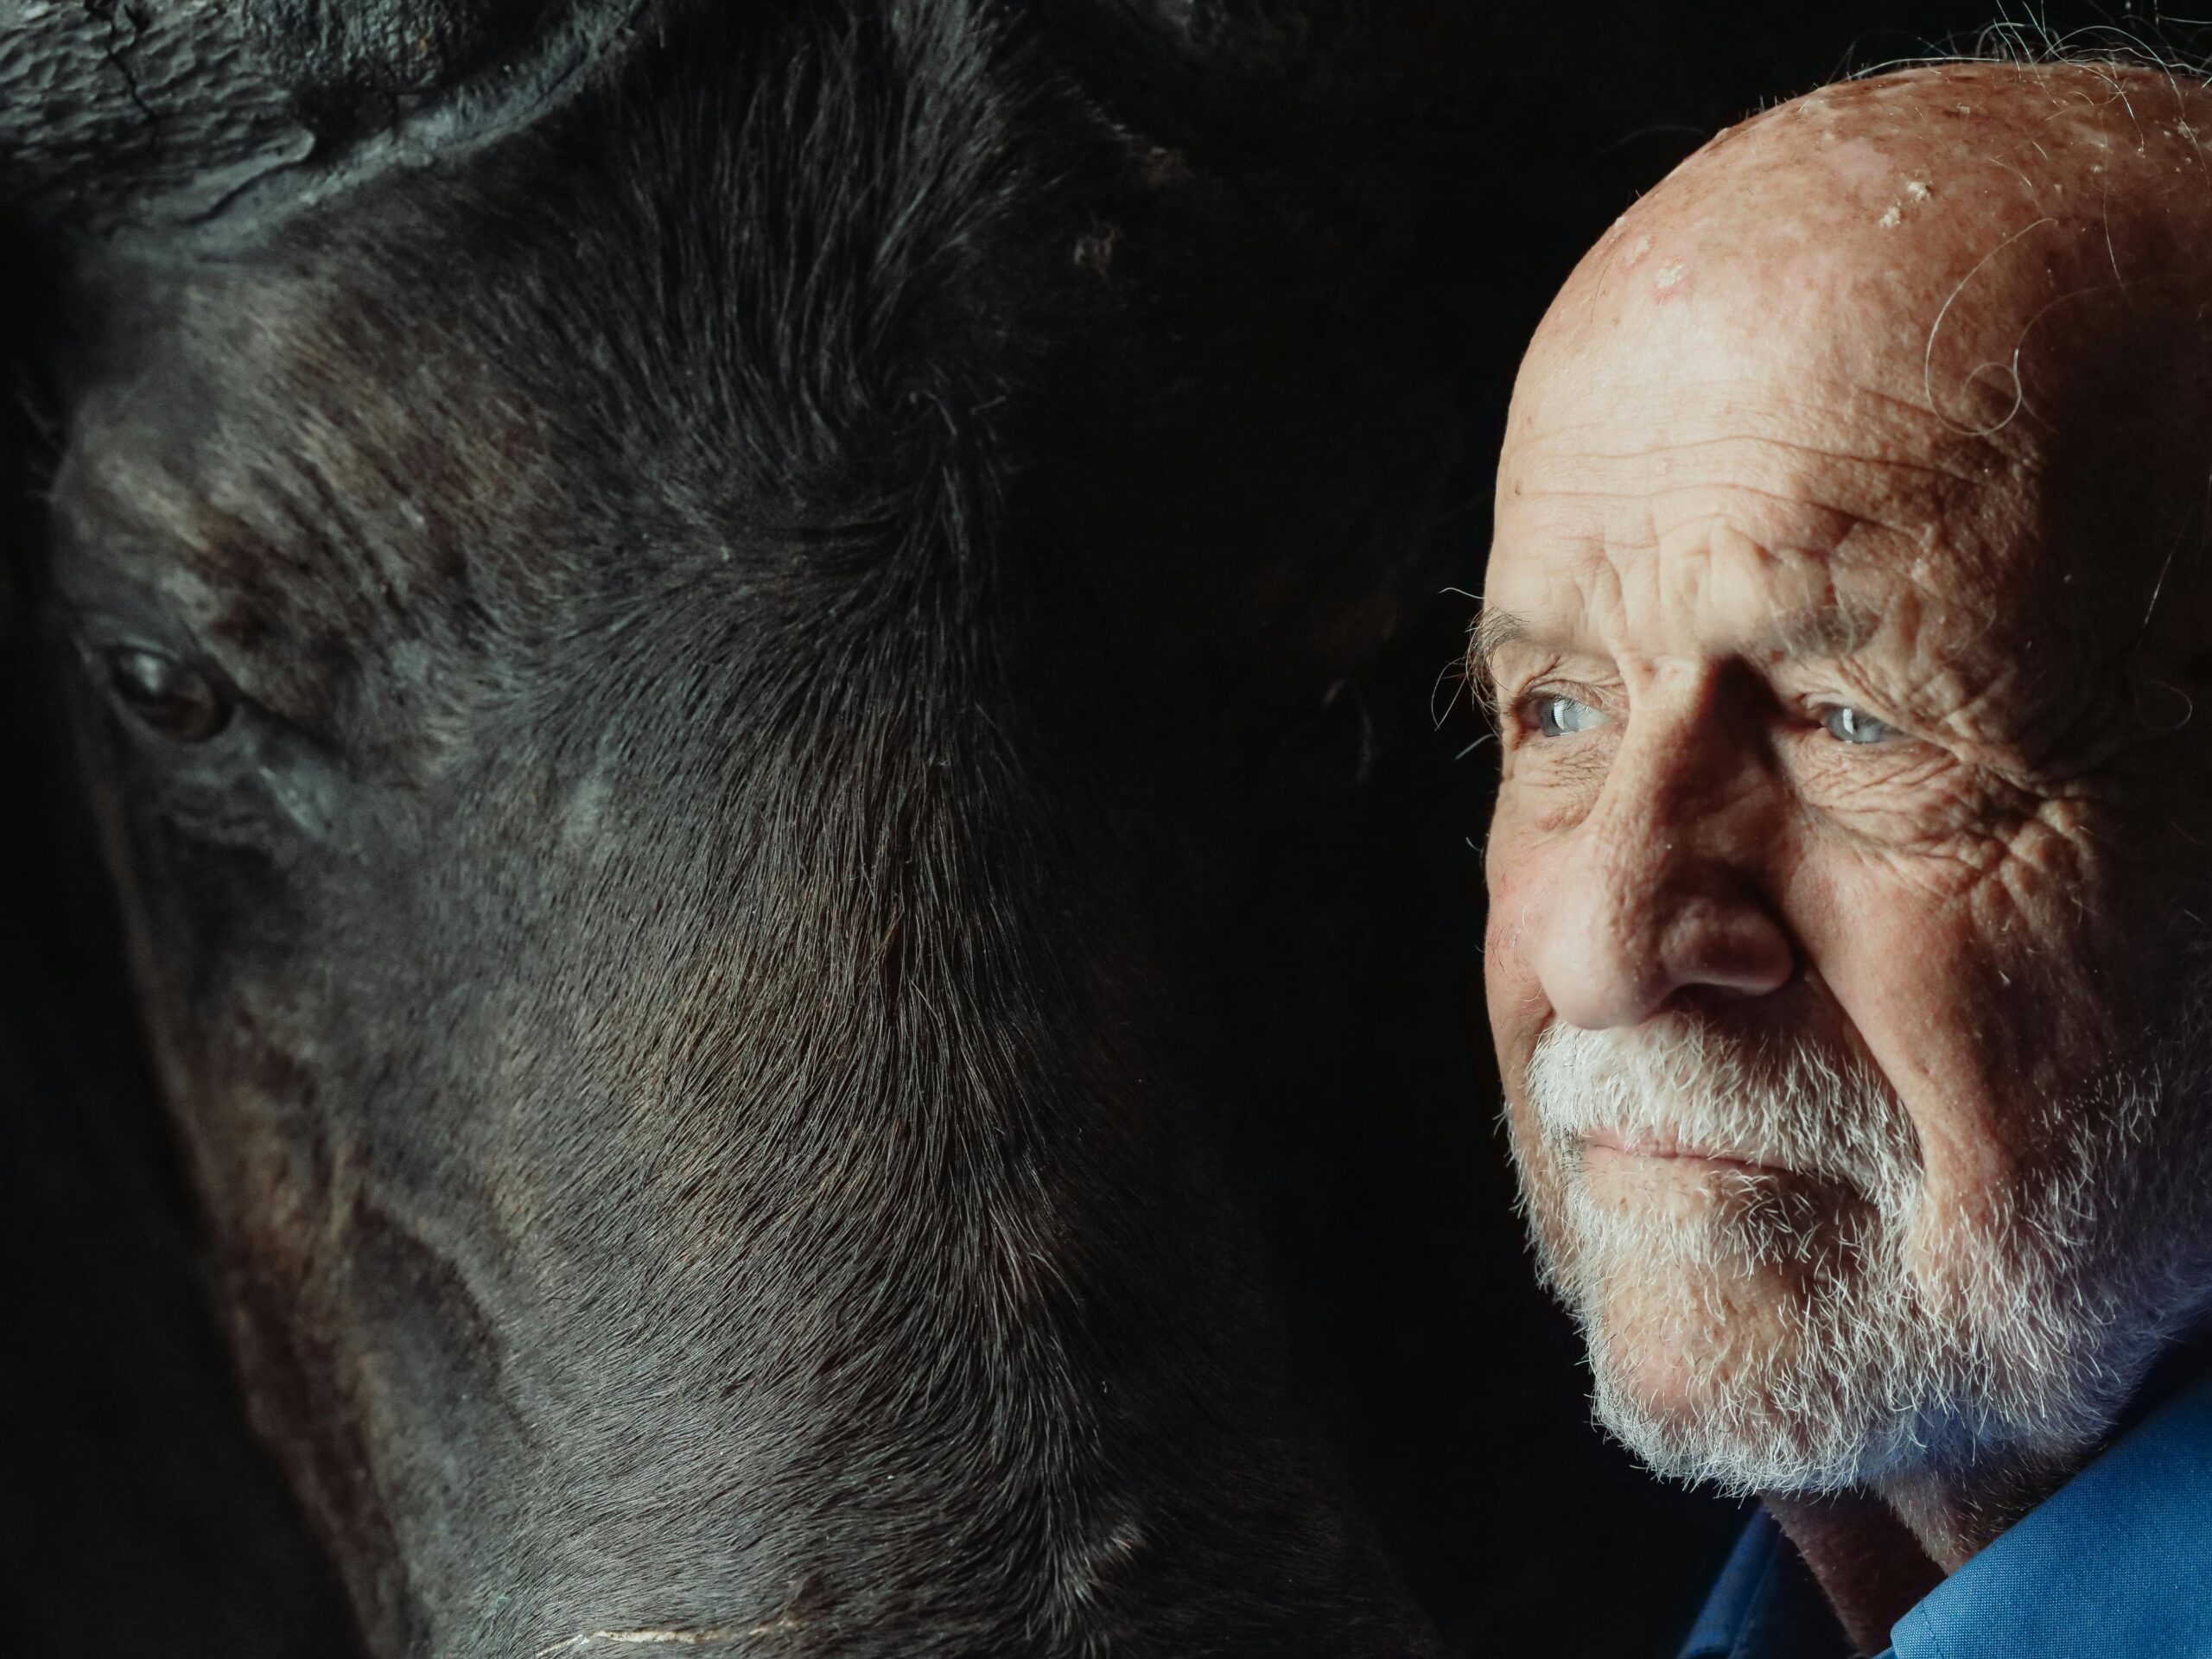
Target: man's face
(1838,958)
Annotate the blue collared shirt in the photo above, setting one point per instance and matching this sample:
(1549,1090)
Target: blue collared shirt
(2117,1564)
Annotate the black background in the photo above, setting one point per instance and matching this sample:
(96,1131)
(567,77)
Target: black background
(135,1515)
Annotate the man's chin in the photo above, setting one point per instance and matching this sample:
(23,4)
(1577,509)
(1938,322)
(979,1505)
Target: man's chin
(1703,1373)
(1686,1349)
(1690,1418)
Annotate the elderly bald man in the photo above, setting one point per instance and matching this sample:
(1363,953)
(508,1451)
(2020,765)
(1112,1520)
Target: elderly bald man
(1849,623)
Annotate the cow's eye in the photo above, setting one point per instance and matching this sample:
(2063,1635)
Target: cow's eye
(171,698)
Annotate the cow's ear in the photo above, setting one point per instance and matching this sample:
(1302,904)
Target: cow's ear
(206,115)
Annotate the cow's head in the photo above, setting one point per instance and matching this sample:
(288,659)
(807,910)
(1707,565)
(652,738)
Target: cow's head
(683,630)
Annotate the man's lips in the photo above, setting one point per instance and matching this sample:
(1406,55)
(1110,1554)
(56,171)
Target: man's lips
(1614,1143)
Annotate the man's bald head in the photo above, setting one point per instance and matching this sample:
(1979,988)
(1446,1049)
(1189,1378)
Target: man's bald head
(1924,225)
(1847,616)
(1982,291)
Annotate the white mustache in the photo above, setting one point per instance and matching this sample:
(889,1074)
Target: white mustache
(1686,1085)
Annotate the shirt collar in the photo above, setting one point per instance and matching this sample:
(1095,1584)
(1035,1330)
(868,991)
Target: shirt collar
(2117,1561)
(1765,1605)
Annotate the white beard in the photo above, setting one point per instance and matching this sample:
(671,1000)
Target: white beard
(1901,1344)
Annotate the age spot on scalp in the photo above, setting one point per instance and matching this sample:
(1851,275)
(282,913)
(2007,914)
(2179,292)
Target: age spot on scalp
(1916,191)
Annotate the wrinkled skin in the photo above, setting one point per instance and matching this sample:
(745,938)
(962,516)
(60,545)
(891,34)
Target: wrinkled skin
(713,670)
(1892,400)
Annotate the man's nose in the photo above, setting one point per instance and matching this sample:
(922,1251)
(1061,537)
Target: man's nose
(1661,893)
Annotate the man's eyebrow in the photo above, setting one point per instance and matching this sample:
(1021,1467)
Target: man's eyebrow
(1836,628)
(1494,630)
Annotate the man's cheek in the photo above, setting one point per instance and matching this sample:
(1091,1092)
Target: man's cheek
(1519,880)
(1963,1001)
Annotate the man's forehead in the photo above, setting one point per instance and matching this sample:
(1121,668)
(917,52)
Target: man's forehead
(1699,476)
(1650,483)
(1835,400)
(1755,352)
(1746,511)
(1785,606)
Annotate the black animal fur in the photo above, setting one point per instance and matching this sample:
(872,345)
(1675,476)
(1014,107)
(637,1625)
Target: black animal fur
(763,613)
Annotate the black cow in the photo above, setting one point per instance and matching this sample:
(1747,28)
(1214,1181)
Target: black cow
(682,621)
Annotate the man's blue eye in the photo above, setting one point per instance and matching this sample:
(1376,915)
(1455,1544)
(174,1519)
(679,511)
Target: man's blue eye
(1563,716)
(1847,725)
